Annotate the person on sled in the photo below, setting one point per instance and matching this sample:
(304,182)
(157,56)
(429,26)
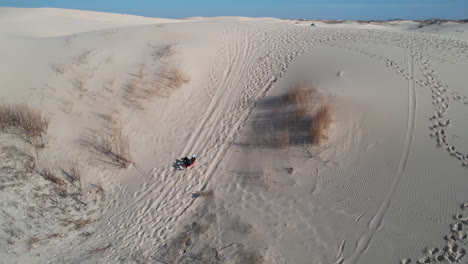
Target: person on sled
(189,162)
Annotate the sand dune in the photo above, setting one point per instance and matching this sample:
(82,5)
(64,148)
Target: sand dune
(52,22)
(386,185)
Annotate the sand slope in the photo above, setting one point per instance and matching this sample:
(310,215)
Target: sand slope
(52,22)
(386,187)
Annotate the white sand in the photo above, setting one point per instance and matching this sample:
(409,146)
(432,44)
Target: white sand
(380,190)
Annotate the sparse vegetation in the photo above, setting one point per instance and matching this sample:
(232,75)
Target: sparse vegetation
(75,225)
(251,257)
(45,206)
(49,175)
(321,122)
(301,96)
(83,57)
(58,68)
(163,51)
(80,84)
(22,120)
(174,78)
(113,145)
(283,140)
(37,239)
(73,173)
(205,194)
(100,249)
(146,85)
(290,116)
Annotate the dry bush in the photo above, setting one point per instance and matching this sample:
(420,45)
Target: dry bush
(100,249)
(135,94)
(25,121)
(83,57)
(86,234)
(321,122)
(34,240)
(80,84)
(177,78)
(58,68)
(73,173)
(251,257)
(49,175)
(283,140)
(61,191)
(301,95)
(208,193)
(113,146)
(75,225)
(173,78)
(164,51)
(167,80)
(205,194)
(109,60)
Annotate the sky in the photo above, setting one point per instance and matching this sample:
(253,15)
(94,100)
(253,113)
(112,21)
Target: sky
(285,9)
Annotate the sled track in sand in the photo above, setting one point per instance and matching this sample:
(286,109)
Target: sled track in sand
(376,220)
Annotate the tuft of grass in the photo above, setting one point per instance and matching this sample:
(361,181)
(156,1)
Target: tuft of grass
(75,225)
(204,194)
(25,121)
(73,173)
(113,146)
(251,257)
(283,139)
(80,84)
(86,234)
(49,175)
(100,249)
(176,78)
(301,95)
(208,193)
(134,94)
(321,122)
(37,239)
(164,51)
(58,68)
(83,57)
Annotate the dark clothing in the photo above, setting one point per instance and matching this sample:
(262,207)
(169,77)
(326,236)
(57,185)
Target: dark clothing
(187,161)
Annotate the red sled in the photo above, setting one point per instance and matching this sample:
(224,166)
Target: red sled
(189,166)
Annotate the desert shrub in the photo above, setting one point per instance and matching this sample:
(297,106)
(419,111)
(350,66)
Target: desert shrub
(113,146)
(283,139)
(173,78)
(49,175)
(76,224)
(300,95)
(38,239)
(251,257)
(205,194)
(321,122)
(164,51)
(73,173)
(25,121)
